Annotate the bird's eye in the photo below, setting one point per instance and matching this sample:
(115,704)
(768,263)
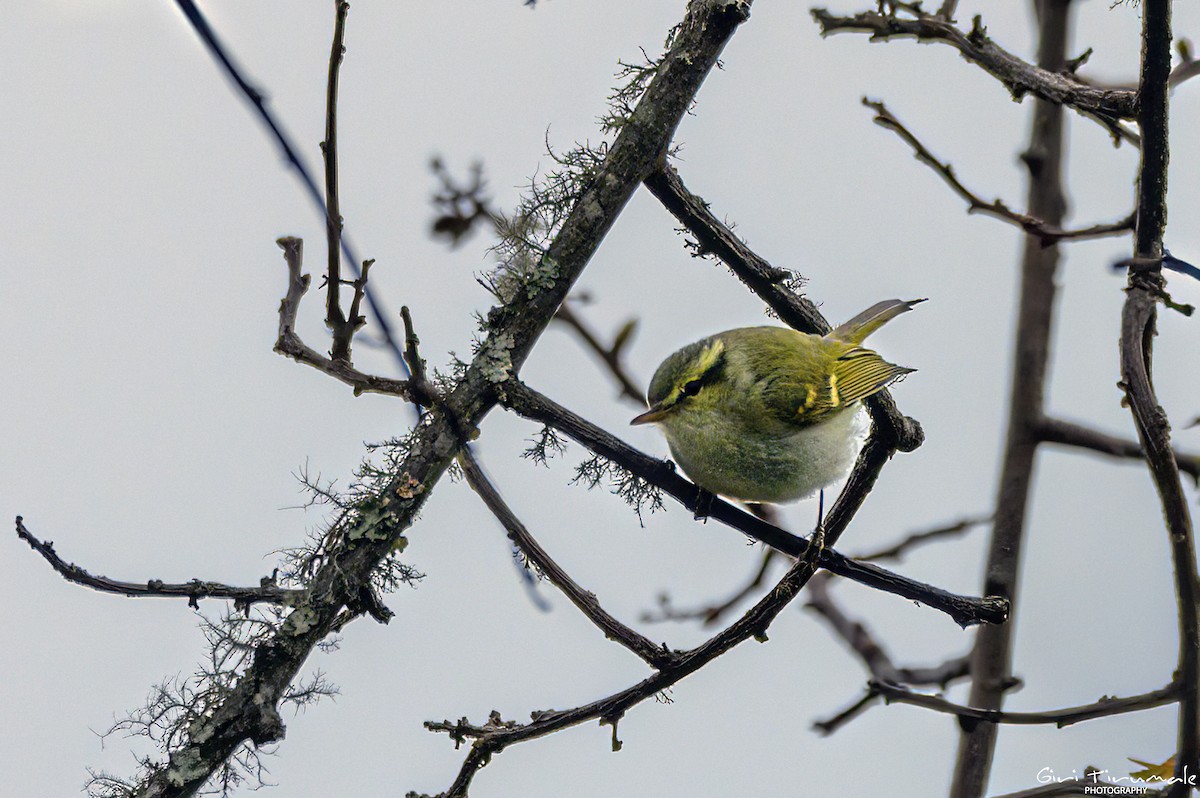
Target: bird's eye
(691,388)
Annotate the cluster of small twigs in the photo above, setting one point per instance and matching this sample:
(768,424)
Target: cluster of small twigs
(547,245)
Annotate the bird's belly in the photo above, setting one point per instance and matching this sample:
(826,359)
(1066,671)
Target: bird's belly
(769,468)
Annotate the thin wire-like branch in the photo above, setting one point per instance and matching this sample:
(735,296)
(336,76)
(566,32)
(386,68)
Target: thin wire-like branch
(656,656)
(1047,233)
(1138,315)
(212,43)
(1103,708)
(963,609)
(495,737)
(609,355)
(925,536)
(898,431)
(1020,77)
(1068,433)
(193,591)
(289,343)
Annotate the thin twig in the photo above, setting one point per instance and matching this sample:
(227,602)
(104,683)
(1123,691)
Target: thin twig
(1047,233)
(256,99)
(925,536)
(340,329)
(710,614)
(656,656)
(1103,708)
(1138,316)
(963,609)
(870,651)
(289,343)
(193,591)
(1054,85)
(609,355)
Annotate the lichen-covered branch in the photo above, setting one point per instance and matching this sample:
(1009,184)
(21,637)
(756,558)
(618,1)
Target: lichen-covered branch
(372,533)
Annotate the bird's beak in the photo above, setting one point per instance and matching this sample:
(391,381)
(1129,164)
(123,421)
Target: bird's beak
(651,416)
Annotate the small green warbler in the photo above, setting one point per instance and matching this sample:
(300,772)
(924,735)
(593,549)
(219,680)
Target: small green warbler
(770,414)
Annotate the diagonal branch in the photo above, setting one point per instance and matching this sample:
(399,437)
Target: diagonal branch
(1047,233)
(193,591)
(1055,85)
(963,609)
(656,656)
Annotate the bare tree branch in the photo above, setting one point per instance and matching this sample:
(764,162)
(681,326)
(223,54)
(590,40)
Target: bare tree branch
(710,614)
(1048,234)
(1138,316)
(1103,708)
(267,592)
(609,355)
(1051,83)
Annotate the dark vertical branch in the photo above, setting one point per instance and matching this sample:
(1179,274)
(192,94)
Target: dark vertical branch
(991,657)
(334,317)
(1137,337)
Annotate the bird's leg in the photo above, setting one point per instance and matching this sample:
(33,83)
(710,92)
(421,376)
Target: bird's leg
(816,542)
(704,501)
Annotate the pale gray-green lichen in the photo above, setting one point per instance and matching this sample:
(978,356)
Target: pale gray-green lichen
(497,361)
(299,621)
(186,766)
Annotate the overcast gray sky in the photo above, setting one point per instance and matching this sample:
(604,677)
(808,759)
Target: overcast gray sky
(150,432)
